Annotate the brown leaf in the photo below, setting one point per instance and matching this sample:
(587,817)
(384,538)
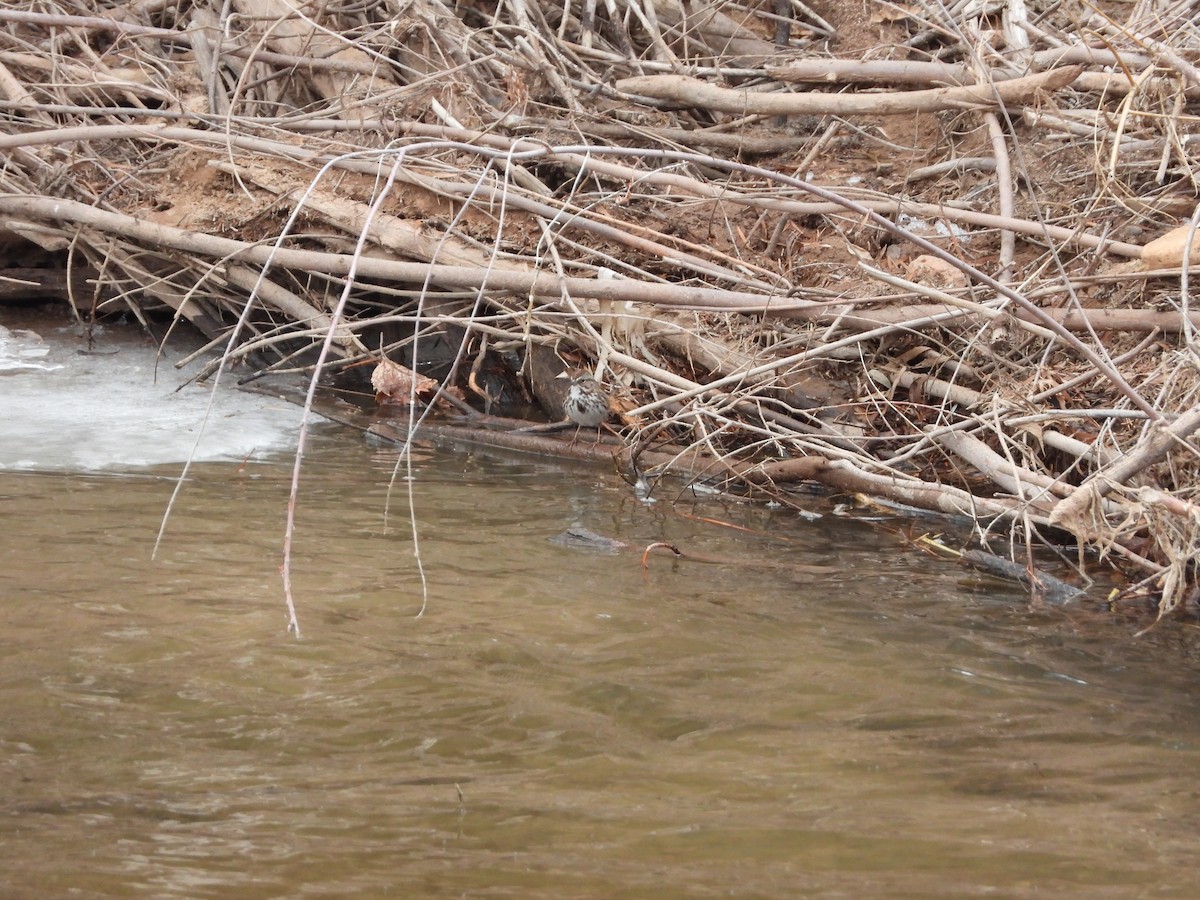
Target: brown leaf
(395,383)
(1167,252)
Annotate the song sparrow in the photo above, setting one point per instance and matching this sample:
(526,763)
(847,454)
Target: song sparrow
(586,403)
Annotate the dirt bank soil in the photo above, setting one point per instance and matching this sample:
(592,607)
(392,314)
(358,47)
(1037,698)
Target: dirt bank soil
(930,253)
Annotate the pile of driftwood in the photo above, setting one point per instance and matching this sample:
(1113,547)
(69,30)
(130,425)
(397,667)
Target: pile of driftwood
(934,253)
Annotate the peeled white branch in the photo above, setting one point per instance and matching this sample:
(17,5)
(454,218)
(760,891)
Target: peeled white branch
(702,95)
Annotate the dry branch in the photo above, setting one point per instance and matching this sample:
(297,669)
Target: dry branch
(702,95)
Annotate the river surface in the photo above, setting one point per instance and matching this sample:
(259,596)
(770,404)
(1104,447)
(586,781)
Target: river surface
(826,713)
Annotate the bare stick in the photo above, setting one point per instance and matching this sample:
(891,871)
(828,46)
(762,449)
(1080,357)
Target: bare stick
(703,95)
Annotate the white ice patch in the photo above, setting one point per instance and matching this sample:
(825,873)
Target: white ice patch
(117,407)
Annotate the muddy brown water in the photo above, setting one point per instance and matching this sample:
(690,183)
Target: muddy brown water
(558,723)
